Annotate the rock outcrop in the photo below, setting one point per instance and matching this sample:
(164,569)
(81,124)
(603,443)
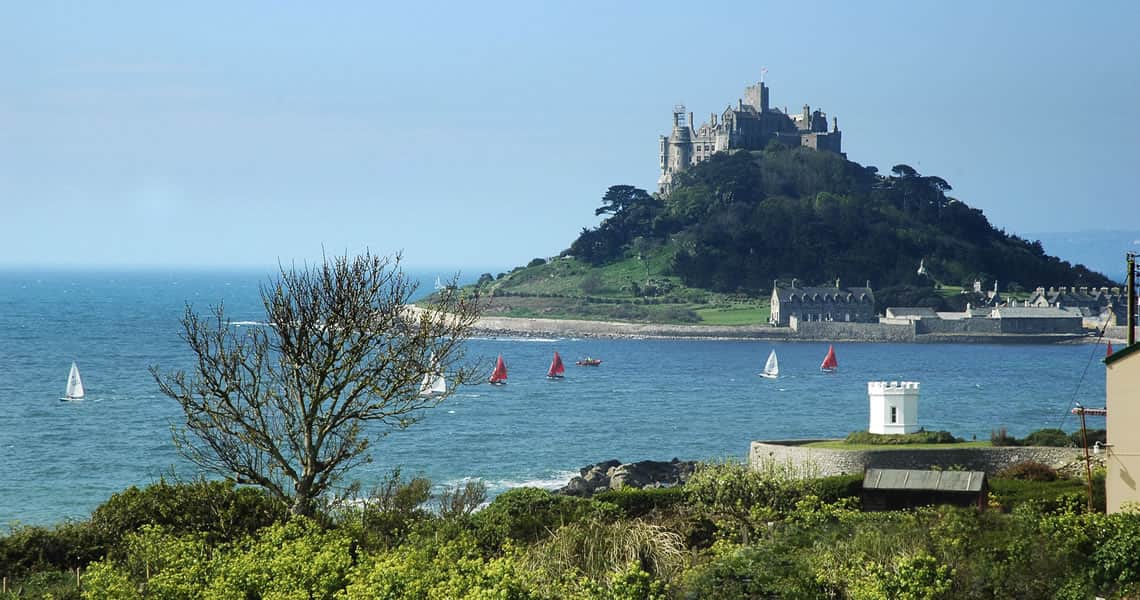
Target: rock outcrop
(613,474)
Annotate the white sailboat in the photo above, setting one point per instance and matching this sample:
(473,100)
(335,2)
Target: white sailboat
(74,384)
(772,367)
(434,383)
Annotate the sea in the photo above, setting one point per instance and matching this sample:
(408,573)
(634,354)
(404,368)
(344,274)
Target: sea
(649,399)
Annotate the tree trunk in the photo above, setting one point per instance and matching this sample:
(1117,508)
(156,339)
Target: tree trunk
(302,505)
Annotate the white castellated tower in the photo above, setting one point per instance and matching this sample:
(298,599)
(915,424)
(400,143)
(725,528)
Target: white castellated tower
(894,406)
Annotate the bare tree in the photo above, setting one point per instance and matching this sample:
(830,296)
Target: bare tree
(285,406)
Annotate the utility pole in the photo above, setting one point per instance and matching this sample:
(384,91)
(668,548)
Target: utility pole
(1131,281)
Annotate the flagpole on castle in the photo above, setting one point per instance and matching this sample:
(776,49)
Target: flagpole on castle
(763,70)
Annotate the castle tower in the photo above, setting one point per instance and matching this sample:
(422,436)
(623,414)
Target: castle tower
(680,141)
(894,406)
(677,149)
(757,96)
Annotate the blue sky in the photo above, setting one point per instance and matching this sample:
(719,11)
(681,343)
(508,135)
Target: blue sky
(481,135)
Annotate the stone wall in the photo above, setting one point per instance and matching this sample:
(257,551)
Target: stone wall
(824,462)
(865,332)
(1041,325)
(1118,332)
(959,326)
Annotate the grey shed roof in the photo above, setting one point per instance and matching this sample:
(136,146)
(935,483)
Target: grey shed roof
(907,479)
(912,311)
(1021,312)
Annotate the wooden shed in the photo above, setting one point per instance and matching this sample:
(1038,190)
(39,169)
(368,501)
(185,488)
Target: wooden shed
(895,489)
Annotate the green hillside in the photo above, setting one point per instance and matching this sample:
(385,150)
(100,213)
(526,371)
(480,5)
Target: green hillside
(710,250)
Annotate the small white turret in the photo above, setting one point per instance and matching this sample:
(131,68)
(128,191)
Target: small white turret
(894,406)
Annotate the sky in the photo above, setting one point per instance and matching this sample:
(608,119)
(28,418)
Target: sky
(480,135)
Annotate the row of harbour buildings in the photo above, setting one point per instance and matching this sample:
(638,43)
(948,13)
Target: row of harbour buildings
(1054,310)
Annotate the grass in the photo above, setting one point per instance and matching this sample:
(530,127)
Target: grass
(635,290)
(736,314)
(842,445)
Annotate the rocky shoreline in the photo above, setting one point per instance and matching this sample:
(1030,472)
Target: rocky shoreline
(614,475)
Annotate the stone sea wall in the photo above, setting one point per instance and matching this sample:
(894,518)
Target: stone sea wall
(863,332)
(812,331)
(824,462)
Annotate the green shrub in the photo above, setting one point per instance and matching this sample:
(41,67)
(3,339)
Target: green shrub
(462,499)
(297,559)
(834,488)
(28,549)
(57,585)
(760,571)
(1029,471)
(921,437)
(635,502)
(219,510)
(434,568)
(1048,437)
(1047,495)
(741,500)
(390,511)
(530,514)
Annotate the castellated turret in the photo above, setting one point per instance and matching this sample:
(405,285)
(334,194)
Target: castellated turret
(749,125)
(894,406)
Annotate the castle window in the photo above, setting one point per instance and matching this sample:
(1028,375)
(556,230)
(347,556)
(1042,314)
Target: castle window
(894,414)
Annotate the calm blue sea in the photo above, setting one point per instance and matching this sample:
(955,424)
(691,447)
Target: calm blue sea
(650,399)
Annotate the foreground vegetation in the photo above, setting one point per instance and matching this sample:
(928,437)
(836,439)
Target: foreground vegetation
(729,533)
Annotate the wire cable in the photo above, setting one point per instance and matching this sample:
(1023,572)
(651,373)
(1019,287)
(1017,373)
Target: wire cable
(1073,401)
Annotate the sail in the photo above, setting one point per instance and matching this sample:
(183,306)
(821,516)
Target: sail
(556,367)
(74,383)
(500,373)
(439,384)
(772,367)
(1108,350)
(433,384)
(830,363)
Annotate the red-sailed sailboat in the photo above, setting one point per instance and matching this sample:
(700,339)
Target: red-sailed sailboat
(499,375)
(557,370)
(830,363)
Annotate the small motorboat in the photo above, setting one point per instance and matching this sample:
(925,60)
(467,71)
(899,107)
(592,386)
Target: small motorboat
(588,362)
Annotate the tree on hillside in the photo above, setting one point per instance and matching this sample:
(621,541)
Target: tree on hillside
(622,197)
(285,406)
(632,212)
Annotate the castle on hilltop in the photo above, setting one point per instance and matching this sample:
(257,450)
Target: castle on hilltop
(750,125)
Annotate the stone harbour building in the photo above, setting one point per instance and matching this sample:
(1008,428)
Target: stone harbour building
(849,305)
(1109,304)
(750,125)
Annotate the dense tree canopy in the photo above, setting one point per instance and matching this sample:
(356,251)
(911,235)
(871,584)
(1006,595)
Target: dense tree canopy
(740,220)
